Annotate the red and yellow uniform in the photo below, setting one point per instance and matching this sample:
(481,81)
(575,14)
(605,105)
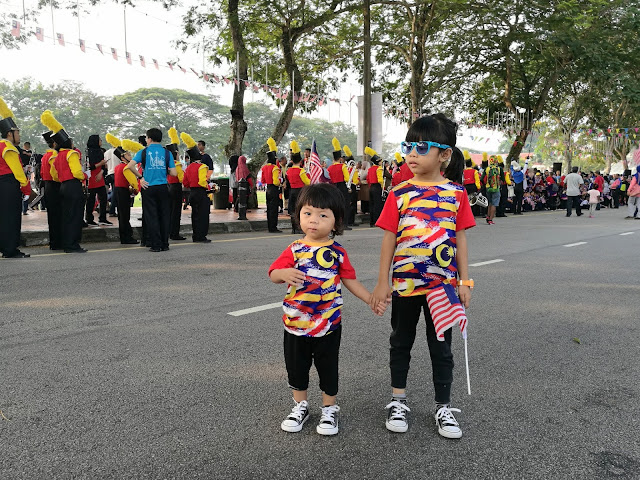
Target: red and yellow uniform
(338,172)
(176,178)
(297,177)
(10,163)
(67,164)
(125,178)
(196,176)
(471,177)
(47,170)
(403,174)
(271,175)
(374,175)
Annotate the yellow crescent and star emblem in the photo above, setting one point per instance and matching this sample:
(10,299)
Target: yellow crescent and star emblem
(444,255)
(325,257)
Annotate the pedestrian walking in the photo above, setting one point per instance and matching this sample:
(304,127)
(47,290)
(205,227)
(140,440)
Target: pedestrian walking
(633,194)
(428,265)
(491,181)
(315,267)
(573,182)
(594,199)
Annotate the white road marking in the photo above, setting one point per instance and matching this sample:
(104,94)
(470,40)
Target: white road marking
(246,311)
(627,233)
(488,262)
(574,244)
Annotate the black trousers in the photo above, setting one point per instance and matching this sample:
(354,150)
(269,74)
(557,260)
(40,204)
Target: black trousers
(54,213)
(405,314)
(342,187)
(375,202)
(10,214)
(353,203)
(301,352)
(293,200)
(155,207)
(273,200)
(101,193)
(110,180)
(200,206)
(124,213)
(72,198)
(615,195)
(175,207)
(573,200)
(518,191)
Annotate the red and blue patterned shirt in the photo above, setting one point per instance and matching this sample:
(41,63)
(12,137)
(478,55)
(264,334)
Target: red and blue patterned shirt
(425,218)
(314,310)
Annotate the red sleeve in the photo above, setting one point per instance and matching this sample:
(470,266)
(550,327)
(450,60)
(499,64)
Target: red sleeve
(285,260)
(390,216)
(464,217)
(345,269)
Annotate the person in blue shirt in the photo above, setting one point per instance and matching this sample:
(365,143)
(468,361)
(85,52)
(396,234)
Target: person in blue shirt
(156,163)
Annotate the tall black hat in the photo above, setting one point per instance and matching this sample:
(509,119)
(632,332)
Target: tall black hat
(192,147)
(62,139)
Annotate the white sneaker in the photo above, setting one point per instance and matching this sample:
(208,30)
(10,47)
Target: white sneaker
(397,417)
(447,425)
(299,414)
(329,420)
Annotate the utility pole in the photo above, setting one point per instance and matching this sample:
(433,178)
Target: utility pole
(367,74)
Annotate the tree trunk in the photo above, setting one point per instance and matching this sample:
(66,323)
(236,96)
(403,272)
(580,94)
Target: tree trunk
(518,143)
(238,125)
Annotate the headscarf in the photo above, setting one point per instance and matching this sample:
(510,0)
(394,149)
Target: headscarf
(242,171)
(233,162)
(94,141)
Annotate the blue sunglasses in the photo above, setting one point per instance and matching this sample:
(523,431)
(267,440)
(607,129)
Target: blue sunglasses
(422,148)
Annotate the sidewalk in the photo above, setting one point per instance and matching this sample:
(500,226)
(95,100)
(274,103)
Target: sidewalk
(35,231)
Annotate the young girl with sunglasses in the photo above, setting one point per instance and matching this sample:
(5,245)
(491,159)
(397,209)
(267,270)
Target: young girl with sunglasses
(424,221)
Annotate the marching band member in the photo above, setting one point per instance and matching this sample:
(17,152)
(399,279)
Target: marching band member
(352,185)
(96,184)
(175,188)
(403,174)
(196,178)
(375,179)
(125,183)
(71,176)
(297,178)
(52,193)
(13,184)
(271,177)
(339,176)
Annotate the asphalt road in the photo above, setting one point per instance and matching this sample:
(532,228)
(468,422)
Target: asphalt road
(121,363)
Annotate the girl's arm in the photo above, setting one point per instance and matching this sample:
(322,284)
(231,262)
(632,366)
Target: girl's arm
(462,259)
(292,276)
(382,292)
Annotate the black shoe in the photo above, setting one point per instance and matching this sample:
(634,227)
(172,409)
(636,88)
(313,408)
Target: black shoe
(179,237)
(165,249)
(275,231)
(91,224)
(75,250)
(113,215)
(503,215)
(155,250)
(204,240)
(131,241)
(579,214)
(568,215)
(52,247)
(104,222)
(17,254)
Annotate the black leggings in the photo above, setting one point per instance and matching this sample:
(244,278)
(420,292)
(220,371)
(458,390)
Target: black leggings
(101,192)
(405,314)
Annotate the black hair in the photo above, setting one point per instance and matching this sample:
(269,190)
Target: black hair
(323,195)
(307,149)
(204,144)
(155,134)
(94,141)
(142,140)
(574,169)
(468,163)
(438,128)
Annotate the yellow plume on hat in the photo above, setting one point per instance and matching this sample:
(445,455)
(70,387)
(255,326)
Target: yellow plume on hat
(399,158)
(272,144)
(173,136)
(336,144)
(5,111)
(131,146)
(347,151)
(295,148)
(370,151)
(113,140)
(187,140)
(500,159)
(466,155)
(49,121)
(485,156)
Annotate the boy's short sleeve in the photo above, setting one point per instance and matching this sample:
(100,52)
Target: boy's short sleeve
(285,260)
(138,156)
(464,217)
(345,269)
(390,216)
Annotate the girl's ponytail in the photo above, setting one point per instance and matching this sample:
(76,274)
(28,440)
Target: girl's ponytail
(455,169)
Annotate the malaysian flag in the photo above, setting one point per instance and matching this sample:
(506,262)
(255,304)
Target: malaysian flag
(446,310)
(60,38)
(315,168)
(15,28)
(128,57)
(82,45)
(114,53)
(155,64)
(40,34)
(142,62)
(99,48)
(184,70)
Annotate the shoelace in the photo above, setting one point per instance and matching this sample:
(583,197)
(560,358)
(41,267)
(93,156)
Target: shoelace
(298,412)
(328,413)
(398,409)
(444,414)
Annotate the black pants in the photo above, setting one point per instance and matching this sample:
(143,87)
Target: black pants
(405,313)
(293,199)
(615,195)
(10,214)
(101,193)
(342,187)
(375,202)
(353,203)
(155,207)
(54,213)
(518,191)
(72,198)
(110,180)
(175,207)
(200,205)
(573,200)
(124,213)
(272,206)
(301,352)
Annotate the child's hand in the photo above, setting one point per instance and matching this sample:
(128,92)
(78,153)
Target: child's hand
(380,298)
(381,307)
(292,276)
(464,293)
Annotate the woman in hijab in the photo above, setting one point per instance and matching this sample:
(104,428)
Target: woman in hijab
(233,180)
(243,173)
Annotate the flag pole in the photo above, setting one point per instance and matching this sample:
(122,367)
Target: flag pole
(466,361)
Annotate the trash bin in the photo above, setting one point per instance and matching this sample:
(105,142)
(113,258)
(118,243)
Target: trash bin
(221,197)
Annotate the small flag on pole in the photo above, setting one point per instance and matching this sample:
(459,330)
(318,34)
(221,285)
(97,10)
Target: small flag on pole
(114,53)
(60,38)
(128,57)
(195,72)
(184,70)
(142,62)
(40,34)
(99,48)
(15,28)
(446,310)
(82,45)
(155,64)
(170,65)
(315,168)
